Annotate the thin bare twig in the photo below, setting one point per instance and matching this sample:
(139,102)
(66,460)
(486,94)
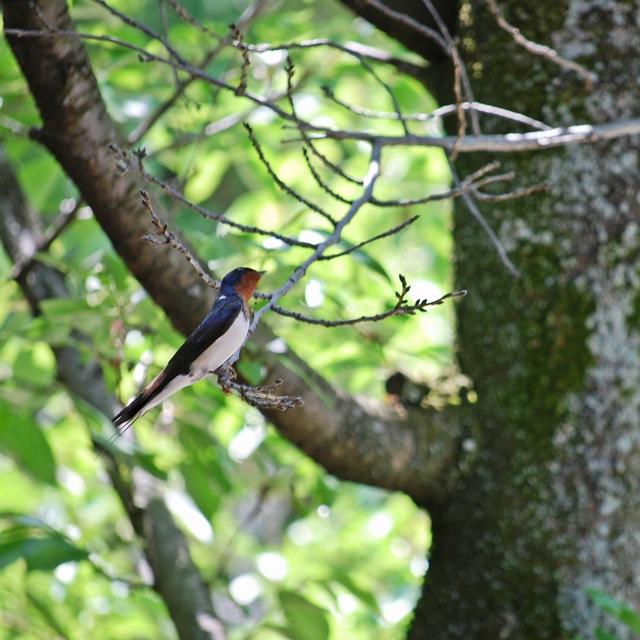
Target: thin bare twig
(63,220)
(401,308)
(477,214)
(184,14)
(542,50)
(385,234)
(309,144)
(511,195)
(166,236)
(165,33)
(445,110)
(243,21)
(331,165)
(219,217)
(122,158)
(320,182)
(460,80)
(368,184)
(355,49)
(489,143)
(505,143)
(283,185)
(391,94)
(244,67)
(470,183)
(170,238)
(492,110)
(408,21)
(462,119)
(144,28)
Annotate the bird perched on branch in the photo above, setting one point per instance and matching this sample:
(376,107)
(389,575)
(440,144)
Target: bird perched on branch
(213,342)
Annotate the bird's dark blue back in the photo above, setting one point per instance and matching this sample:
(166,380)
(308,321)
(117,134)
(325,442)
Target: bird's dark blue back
(215,324)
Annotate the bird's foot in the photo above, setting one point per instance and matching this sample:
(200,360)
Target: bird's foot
(226,376)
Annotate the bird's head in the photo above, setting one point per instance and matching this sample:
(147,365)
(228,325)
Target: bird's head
(242,281)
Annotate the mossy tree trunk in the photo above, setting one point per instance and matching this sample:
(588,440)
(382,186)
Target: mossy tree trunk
(550,504)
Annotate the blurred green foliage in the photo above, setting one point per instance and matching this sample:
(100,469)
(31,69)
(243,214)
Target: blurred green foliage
(622,613)
(288,550)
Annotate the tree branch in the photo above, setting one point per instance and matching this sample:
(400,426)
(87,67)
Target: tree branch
(504,143)
(176,578)
(540,49)
(496,143)
(67,215)
(352,440)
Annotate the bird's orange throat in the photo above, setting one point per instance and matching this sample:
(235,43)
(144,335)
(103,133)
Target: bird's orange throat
(247,285)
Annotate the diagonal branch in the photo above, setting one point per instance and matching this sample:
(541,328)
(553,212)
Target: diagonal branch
(540,49)
(355,441)
(67,215)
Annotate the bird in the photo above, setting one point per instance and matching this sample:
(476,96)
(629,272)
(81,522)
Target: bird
(217,338)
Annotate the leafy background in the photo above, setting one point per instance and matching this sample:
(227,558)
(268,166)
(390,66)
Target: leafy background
(287,549)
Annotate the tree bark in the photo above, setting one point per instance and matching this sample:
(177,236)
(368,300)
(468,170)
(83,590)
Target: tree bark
(545,502)
(550,505)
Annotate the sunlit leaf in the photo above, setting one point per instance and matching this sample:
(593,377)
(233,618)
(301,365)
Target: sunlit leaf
(41,554)
(42,547)
(306,621)
(24,440)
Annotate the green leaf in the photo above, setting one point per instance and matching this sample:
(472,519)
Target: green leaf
(361,256)
(65,307)
(41,554)
(200,487)
(619,610)
(42,548)
(35,364)
(204,476)
(206,176)
(305,620)
(47,330)
(47,553)
(26,443)
(366,597)
(251,370)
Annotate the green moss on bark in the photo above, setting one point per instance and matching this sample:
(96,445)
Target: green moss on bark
(549,506)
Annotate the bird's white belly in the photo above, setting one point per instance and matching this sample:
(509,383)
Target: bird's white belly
(207,362)
(222,349)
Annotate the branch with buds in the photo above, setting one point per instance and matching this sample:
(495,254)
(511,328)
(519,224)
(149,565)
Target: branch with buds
(261,397)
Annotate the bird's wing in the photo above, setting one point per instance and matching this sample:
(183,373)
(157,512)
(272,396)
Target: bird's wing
(214,326)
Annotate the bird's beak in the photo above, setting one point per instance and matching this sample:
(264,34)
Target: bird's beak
(261,273)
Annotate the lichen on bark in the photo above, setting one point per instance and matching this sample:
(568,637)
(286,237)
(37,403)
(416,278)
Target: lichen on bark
(551,505)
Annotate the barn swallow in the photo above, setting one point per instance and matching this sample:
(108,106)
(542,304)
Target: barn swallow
(221,333)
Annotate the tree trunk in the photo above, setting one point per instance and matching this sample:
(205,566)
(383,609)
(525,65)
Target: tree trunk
(550,505)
